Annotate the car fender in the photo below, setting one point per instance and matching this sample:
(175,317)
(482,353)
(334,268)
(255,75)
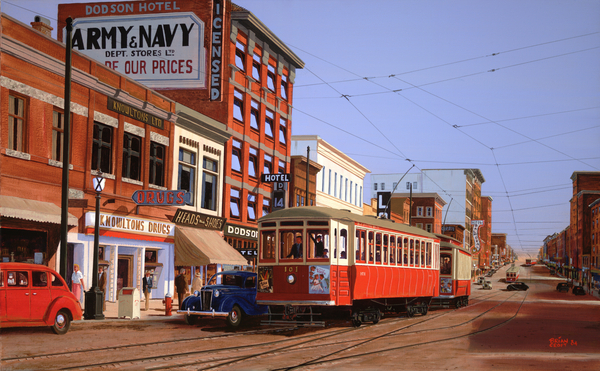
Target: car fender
(62,302)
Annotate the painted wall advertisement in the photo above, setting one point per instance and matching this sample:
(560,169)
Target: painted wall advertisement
(318,279)
(158,50)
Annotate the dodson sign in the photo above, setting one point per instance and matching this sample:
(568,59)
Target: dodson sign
(159,50)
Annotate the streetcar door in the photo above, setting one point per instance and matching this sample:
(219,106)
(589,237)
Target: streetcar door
(341,250)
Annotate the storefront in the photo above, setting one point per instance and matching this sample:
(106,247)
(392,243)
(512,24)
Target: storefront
(200,248)
(30,230)
(244,239)
(128,247)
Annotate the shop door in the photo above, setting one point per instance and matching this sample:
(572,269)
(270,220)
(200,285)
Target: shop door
(124,276)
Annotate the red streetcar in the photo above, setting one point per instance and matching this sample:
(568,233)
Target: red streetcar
(512,273)
(455,273)
(317,258)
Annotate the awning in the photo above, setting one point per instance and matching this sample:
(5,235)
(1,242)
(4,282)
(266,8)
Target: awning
(195,246)
(38,211)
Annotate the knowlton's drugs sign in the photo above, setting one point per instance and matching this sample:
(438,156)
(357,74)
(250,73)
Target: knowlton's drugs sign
(158,50)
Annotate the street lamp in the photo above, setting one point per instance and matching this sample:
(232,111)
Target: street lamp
(94,297)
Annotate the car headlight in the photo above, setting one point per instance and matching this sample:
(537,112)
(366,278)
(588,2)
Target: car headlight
(196,293)
(217,293)
(291,279)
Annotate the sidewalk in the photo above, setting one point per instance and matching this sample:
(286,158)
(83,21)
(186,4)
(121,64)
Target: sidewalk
(156,312)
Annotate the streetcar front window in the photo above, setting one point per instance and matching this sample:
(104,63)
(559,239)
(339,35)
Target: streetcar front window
(318,244)
(291,244)
(446,266)
(267,246)
(343,243)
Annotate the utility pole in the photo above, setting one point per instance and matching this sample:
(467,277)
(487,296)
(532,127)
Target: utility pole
(307,175)
(64,206)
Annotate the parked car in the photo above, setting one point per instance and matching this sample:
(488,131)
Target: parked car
(232,297)
(480,280)
(517,286)
(35,295)
(562,287)
(578,290)
(487,285)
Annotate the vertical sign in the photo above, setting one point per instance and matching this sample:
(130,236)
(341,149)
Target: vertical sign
(476,224)
(383,200)
(216,53)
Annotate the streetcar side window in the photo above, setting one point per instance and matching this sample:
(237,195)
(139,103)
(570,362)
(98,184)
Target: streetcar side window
(291,244)
(378,248)
(371,247)
(405,249)
(318,244)
(392,250)
(361,246)
(385,248)
(412,252)
(267,246)
(446,267)
(422,253)
(343,243)
(429,251)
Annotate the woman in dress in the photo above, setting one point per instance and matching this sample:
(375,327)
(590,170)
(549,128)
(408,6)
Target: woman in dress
(77,282)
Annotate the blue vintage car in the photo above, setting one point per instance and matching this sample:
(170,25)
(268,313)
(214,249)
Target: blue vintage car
(233,297)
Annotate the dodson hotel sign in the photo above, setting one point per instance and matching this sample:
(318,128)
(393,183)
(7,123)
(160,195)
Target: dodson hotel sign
(159,50)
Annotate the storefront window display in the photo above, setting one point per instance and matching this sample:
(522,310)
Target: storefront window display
(24,246)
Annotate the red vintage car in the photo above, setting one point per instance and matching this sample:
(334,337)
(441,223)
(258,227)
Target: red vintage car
(35,295)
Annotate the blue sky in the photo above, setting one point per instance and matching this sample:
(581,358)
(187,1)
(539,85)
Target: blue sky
(509,87)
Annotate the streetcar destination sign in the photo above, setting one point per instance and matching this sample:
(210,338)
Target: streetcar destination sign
(275,177)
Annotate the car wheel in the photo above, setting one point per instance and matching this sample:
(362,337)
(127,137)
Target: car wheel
(234,319)
(62,322)
(510,288)
(191,320)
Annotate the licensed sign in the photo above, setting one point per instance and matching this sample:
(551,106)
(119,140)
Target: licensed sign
(161,198)
(159,50)
(198,220)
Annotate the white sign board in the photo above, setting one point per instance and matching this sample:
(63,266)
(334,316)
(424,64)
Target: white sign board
(158,50)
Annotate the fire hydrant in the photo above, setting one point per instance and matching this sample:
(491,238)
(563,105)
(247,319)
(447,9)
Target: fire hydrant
(168,305)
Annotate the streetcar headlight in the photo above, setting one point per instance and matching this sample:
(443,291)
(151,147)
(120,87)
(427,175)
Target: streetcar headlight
(217,293)
(291,279)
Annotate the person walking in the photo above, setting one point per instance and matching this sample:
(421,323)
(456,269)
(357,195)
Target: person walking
(102,285)
(146,287)
(181,286)
(77,284)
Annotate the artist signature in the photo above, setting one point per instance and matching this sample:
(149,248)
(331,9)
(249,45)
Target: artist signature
(559,342)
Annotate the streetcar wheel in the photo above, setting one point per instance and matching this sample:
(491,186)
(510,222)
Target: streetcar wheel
(62,322)
(234,319)
(425,311)
(410,312)
(356,323)
(458,304)
(191,320)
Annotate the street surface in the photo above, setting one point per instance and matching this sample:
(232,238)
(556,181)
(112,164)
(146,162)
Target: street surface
(539,329)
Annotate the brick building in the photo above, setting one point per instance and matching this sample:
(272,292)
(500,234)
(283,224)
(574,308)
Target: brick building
(219,60)
(426,209)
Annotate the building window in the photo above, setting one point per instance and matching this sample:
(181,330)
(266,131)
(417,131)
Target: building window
(383,186)
(132,149)
(323,180)
(282,131)
(284,86)
(335,185)
(360,194)
(281,167)
(414,185)
(16,123)
(102,148)
(271,78)
(419,225)
(329,183)
(346,190)
(252,162)
(240,55)
(234,203)
(254,115)
(298,200)
(58,126)
(266,209)
(238,105)
(356,198)
(341,185)
(268,165)
(394,186)
(256,66)
(187,172)
(236,155)
(428,228)
(374,186)
(420,211)
(269,119)
(209,184)
(429,211)
(157,164)
(407,185)
(251,206)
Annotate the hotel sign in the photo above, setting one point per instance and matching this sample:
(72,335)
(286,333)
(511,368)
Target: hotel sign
(134,113)
(189,218)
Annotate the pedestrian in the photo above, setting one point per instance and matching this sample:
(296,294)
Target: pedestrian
(146,287)
(197,282)
(102,285)
(77,282)
(181,286)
